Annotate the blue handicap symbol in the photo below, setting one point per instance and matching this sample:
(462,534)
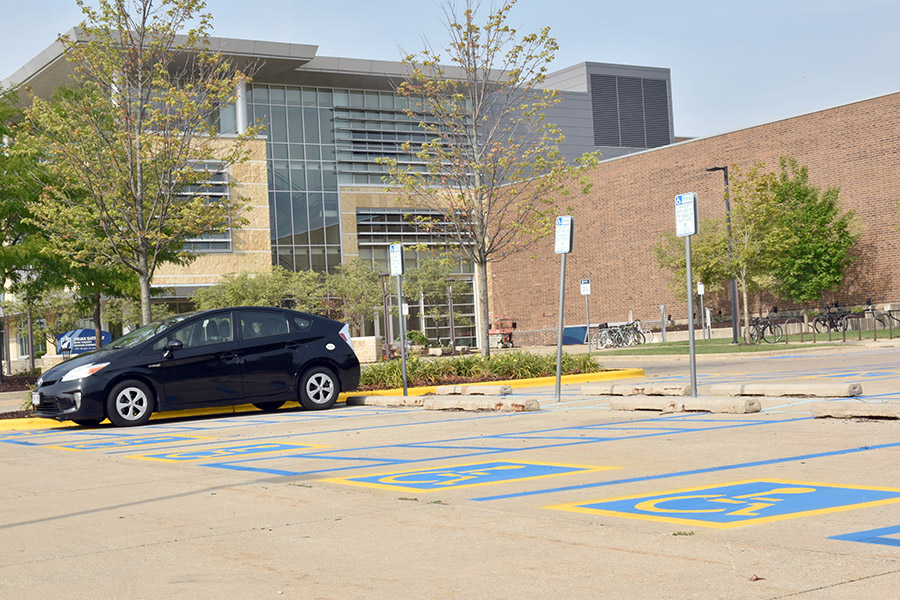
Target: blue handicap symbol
(740,503)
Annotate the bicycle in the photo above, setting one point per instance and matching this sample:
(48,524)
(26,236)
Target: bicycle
(765,329)
(833,321)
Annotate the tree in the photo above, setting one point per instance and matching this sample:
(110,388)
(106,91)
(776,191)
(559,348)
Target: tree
(355,290)
(818,239)
(491,166)
(756,240)
(129,144)
(707,248)
(300,290)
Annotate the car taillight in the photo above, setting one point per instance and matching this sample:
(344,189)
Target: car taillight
(345,335)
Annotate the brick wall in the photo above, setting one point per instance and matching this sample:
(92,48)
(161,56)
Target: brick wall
(855,147)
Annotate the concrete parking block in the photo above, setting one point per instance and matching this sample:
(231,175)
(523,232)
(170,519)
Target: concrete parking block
(632,389)
(855,408)
(726,405)
(801,390)
(473,390)
(386,401)
(474,403)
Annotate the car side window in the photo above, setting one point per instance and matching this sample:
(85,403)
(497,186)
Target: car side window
(301,324)
(258,324)
(203,332)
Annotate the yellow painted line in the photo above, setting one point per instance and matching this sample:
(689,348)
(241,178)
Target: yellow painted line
(282,448)
(580,508)
(401,488)
(37,423)
(516,383)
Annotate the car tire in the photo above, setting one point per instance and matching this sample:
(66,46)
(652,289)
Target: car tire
(129,403)
(319,388)
(268,406)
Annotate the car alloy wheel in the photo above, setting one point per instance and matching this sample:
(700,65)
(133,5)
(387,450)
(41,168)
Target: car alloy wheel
(129,403)
(319,388)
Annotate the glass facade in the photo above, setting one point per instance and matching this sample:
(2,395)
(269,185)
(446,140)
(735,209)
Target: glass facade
(303,189)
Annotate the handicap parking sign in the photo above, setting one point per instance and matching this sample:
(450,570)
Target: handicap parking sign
(739,503)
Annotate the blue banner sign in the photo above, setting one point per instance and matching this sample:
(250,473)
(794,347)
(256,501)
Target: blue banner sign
(80,340)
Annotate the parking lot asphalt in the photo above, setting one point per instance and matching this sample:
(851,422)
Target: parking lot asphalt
(575,500)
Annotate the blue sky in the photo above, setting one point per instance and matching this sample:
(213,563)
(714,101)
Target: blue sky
(734,64)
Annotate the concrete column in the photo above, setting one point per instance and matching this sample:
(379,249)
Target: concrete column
(240,106)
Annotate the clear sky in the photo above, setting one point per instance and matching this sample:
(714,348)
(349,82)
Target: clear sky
(734,64)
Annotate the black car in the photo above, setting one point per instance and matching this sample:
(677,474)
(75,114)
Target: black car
(265,356)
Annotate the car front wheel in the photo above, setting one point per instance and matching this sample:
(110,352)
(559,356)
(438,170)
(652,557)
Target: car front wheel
(319,388)
(129,403)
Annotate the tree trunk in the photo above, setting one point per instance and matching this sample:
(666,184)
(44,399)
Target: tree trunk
(30,340)
(746,313)
(146,315)
(483,320)
(98,327)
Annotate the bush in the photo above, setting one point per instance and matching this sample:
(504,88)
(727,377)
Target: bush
(417,337)
(511,365)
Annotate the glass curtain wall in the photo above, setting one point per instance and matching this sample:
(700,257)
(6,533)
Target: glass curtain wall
(302,172)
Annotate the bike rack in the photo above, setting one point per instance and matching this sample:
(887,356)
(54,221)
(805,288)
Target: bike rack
(787,331)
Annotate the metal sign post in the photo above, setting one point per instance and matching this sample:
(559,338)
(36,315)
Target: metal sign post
(397,268)
(586,291)
(562,246)
(686,225)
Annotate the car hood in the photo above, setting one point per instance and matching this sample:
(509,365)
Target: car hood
(94,356)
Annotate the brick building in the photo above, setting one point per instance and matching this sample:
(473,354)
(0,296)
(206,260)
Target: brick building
(855,147)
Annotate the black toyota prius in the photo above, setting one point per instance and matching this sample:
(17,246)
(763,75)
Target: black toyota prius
(264,356)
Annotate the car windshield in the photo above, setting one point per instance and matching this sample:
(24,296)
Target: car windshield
(147,331)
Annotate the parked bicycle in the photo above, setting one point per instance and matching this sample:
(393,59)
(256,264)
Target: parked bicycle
(839,320)
(880,319)
(765,329)
(621,336)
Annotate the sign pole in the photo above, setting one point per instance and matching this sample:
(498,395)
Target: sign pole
(397,267)
(563,246)
(586,291)
(686,225)
(690,294)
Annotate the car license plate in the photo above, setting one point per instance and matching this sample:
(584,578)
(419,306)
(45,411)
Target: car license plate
(35,398)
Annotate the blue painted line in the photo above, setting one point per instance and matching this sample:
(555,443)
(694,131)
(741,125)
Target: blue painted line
(255,464)
(747,465)
(872,536)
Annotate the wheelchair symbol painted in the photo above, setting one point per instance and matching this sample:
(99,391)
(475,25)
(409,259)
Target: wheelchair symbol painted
(225,452)
(459,476)
(739,503)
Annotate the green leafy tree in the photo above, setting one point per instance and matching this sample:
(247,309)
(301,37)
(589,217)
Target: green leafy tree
(354,290)
(132,135)
(817,238)
(300,290)
(491,166)
(707,249)
(756,240)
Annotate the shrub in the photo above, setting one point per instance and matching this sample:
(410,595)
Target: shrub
(511,365)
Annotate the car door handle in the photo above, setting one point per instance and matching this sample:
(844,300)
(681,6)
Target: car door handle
(294,345)
(229,357)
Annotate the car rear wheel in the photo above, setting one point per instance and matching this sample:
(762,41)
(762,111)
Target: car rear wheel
(268,406)
(129,403)
(319,388)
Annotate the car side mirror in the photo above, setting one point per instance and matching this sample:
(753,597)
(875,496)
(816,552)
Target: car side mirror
(171,347)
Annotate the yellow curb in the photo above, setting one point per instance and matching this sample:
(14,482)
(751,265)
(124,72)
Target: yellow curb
(37,423)
(518,383)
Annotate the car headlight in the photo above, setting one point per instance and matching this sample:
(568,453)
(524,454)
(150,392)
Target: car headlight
(83,371)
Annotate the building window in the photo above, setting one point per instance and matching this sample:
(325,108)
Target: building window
(215,186)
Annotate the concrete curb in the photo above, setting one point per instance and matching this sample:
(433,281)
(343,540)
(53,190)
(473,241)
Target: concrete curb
(855,408)
(647,389)
(726,405)
(467,403)
(801,390)
(473,390)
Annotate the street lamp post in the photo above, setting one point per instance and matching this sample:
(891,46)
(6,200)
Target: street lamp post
(734,302)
